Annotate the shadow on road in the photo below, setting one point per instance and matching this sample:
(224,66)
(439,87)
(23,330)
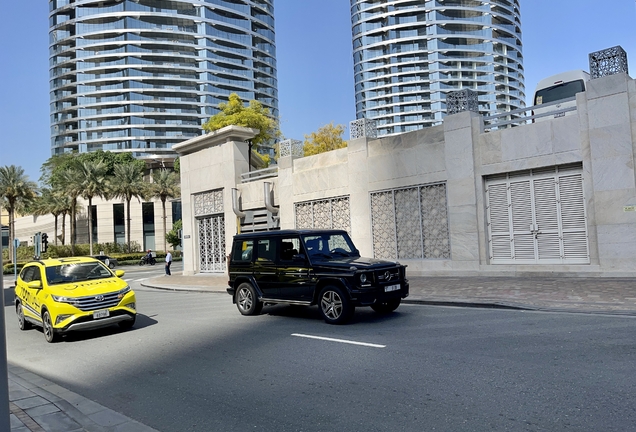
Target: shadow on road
(361,315)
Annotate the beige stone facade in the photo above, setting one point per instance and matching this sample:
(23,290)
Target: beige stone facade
(552,197)
(27,226)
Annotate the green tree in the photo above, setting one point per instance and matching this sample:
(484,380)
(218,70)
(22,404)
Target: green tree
(16,190)
(128,183)
(327,138)
(255,116)
(173,236)
(165,184)
(94,183)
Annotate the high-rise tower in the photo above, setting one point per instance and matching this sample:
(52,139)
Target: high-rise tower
(141,75)
(409,53)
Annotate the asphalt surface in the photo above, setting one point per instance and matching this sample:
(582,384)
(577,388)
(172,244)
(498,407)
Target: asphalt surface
(39,405)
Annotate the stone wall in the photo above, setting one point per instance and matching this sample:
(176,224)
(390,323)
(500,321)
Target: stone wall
(458,157)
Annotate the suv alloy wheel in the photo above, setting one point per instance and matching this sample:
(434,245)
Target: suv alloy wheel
(247,300)
(334,305)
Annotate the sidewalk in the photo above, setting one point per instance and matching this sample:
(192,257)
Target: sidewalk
(38,405)
(569,294)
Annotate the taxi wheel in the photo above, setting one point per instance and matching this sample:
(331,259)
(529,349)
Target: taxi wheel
(334,305)
(386,306)
(47,327)
(22,322)
(247,300)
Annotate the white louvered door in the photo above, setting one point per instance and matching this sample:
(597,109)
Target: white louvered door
(537,217)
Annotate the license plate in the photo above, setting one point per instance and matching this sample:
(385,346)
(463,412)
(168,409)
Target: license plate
(390,288)
(101,314)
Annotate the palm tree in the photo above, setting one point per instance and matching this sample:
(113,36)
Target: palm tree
(16,189)
(128,183)
(94,184)
(53,202)
(165,184)
(71,182)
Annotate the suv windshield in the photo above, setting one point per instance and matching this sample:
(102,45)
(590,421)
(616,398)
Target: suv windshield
(76,272)
(329,246)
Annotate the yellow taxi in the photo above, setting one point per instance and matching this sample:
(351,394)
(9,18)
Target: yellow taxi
(68,294)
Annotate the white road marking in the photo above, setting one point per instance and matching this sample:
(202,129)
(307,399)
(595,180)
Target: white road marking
(339,340)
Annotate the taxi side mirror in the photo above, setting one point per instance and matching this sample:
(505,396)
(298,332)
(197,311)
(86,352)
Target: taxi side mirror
(119,273)
(36,284)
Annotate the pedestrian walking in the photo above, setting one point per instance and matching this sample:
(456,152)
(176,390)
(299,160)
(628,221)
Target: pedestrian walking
(168,262)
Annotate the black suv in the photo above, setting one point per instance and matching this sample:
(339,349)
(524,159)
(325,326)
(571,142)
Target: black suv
(308,267)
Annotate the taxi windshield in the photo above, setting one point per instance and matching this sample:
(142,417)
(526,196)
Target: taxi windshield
(76,272)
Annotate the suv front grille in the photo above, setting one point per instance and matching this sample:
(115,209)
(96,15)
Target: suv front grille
(100,301)
(388,275)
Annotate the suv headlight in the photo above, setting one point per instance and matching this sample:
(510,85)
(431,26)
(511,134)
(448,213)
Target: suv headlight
(365,278)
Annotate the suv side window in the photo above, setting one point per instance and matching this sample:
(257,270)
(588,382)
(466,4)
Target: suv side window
(31,273)
(289,248)
(266,250)
(243,251)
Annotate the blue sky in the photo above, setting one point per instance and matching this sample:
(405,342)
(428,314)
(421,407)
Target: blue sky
(315,66)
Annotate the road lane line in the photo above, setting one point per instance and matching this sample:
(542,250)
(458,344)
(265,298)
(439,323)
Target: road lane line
(339,340)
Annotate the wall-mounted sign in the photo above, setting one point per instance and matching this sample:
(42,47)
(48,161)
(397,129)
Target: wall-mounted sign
(186,236)
(629,208)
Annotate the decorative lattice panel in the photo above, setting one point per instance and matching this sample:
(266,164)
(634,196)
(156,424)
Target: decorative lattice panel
(211,244)
(208,203)
(461,100)
(363,128)
(435,222)
(383,225)
(407,223)
(608,62)
(411,223)
(328,213)
(291,147)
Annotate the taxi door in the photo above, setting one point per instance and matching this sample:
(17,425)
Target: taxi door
(28,288)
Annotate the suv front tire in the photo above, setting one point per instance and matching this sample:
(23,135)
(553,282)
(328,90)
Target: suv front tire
(334,305)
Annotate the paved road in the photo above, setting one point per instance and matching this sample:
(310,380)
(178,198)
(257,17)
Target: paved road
(193,363)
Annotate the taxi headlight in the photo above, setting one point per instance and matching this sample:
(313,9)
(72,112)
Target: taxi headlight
(122,293)
(61,299)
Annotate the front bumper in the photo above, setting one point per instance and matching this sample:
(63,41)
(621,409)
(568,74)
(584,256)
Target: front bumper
(68,318)
(369,296)
(97,323)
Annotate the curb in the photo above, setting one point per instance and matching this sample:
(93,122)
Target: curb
(477,304)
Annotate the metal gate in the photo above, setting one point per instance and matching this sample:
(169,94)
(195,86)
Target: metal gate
(210,223)
(537,217)
(211,231)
